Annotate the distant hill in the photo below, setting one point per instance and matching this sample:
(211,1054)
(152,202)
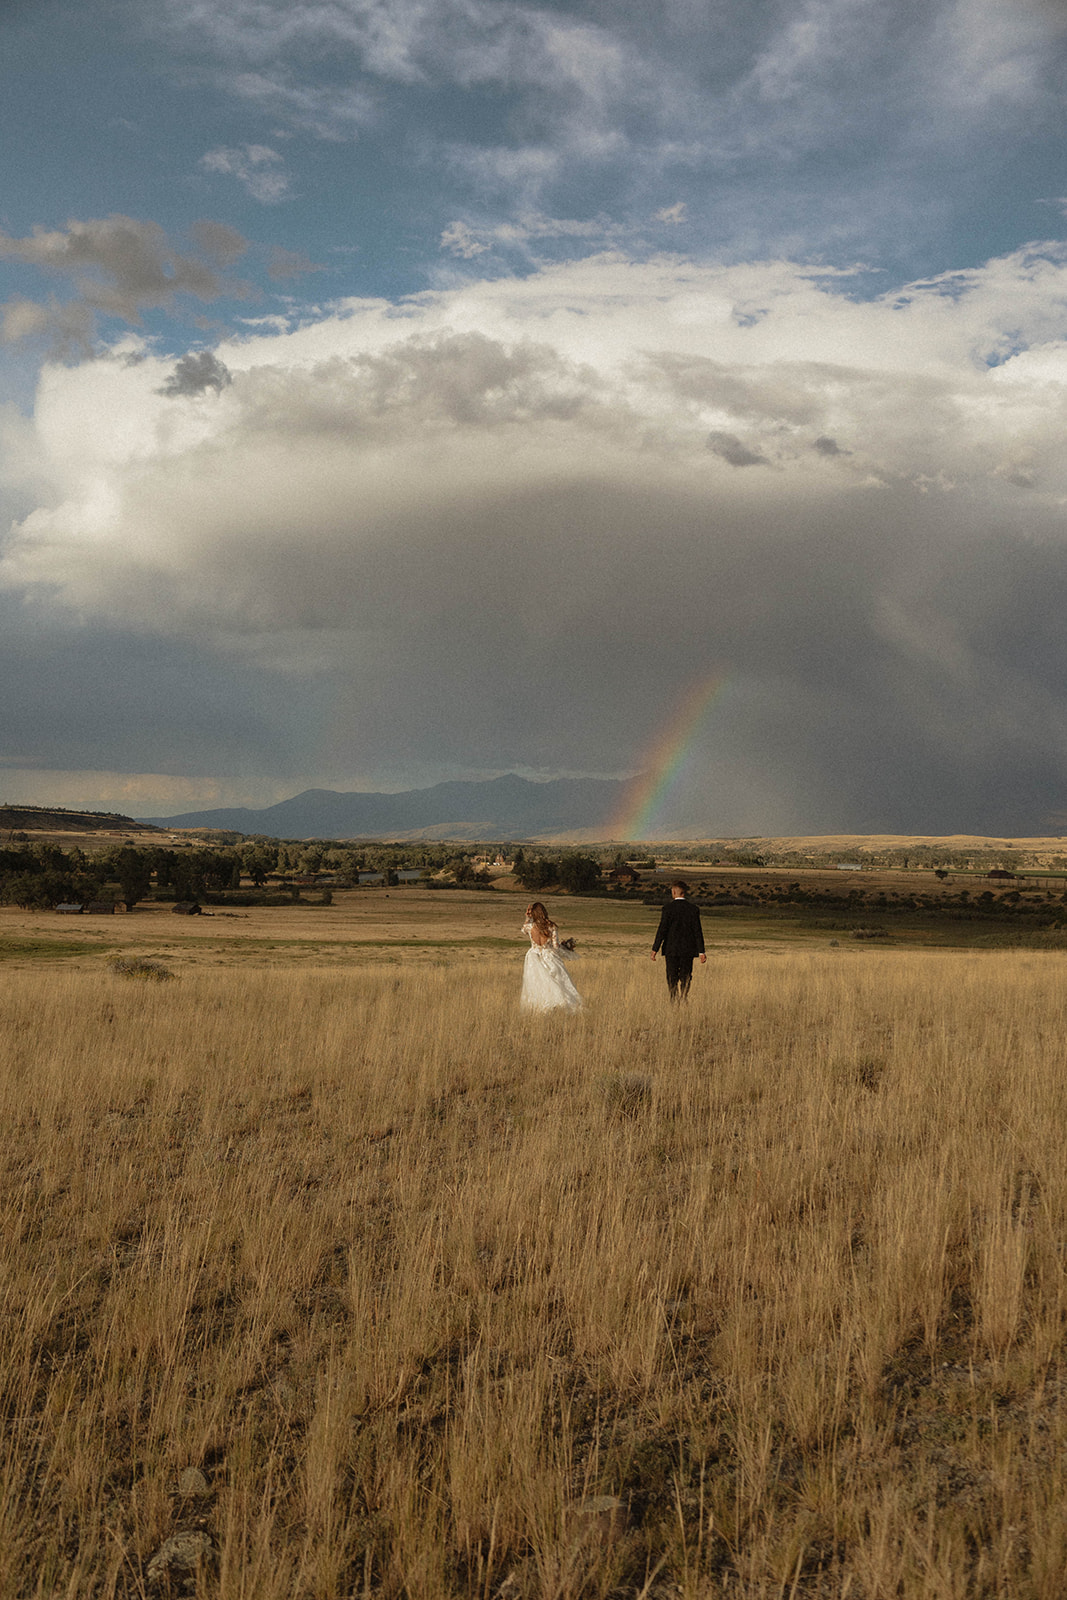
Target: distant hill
(499,808)
(53,819)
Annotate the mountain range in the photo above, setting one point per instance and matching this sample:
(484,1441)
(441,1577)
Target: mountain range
(498,808)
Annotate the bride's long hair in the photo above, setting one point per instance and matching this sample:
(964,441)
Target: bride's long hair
(541,920)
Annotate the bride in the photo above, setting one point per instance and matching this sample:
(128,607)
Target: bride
(546,983)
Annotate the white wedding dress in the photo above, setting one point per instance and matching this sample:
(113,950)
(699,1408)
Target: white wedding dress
(546,983)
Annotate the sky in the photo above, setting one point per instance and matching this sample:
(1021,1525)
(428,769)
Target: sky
(394,391)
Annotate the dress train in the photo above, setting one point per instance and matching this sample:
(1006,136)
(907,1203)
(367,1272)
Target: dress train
(546,983)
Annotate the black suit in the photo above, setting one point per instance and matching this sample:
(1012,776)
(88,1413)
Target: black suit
(681,938)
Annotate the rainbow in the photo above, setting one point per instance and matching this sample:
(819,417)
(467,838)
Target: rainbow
(665,761)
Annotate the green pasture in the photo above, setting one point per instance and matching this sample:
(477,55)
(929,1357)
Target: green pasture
(19,949)
(475,925)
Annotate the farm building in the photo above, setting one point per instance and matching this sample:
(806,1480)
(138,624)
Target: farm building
(623,876)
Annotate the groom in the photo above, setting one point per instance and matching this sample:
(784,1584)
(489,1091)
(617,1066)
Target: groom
(682,939)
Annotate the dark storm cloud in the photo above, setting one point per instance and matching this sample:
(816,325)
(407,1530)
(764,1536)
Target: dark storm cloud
(110,697)
(488,530)
(194,373)
(730,449)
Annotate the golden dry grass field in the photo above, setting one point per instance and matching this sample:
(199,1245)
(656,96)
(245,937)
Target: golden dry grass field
(763,1297)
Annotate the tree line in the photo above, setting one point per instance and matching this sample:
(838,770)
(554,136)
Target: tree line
(36,877)
(39,876)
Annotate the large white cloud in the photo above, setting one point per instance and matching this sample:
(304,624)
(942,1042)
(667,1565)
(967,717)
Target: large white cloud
(512,523)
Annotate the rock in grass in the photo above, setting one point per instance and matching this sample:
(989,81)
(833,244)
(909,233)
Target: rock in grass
(180,1553)
(192,1481)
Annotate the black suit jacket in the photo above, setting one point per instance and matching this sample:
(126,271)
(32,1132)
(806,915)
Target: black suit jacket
(679,932)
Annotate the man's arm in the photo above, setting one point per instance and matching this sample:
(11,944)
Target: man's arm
(661,931)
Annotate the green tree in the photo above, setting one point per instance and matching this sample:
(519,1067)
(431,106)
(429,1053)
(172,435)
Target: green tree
(38,891)
(133,870)
(536,872)
(578,873)
(257,860)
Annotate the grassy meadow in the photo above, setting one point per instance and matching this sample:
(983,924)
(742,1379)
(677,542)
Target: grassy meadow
(765,1296)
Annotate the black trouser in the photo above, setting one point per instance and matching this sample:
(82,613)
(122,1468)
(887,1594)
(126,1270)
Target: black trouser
(679,974)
